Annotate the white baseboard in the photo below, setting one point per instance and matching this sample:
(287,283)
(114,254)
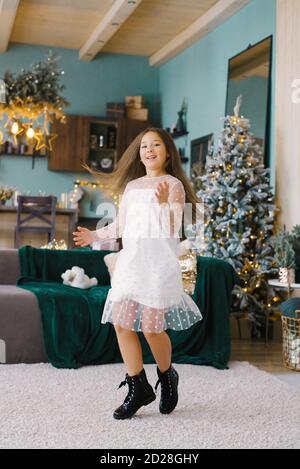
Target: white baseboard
(2,351)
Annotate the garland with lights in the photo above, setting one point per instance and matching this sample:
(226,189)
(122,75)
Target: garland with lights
(97,185)
(30,101)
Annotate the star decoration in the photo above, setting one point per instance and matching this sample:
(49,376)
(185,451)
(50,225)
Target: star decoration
(44,141)
(12,137)
(2,139)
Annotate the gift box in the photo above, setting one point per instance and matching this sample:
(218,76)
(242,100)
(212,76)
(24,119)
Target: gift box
(115,110)
(138,114)
(188,265)
(240,327)
(135,102)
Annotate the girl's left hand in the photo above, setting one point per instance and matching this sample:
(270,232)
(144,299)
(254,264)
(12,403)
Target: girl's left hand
(162,192)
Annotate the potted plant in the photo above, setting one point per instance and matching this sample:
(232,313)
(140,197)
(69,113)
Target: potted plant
(6,193)
(285,256)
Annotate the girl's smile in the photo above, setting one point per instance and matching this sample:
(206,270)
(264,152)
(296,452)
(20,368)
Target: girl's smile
(153,154)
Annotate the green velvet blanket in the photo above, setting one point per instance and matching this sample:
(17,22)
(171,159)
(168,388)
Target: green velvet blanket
(73,333)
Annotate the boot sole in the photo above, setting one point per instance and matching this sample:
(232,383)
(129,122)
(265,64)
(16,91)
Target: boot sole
(128,416)
(171,410)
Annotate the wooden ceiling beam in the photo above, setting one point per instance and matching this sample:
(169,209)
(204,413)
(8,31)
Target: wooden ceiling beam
(113,20)
(210,20)
(8,10)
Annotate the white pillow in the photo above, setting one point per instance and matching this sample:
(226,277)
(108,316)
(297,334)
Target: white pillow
(111,259)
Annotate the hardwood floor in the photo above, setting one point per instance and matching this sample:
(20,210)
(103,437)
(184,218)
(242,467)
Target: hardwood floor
(266,357)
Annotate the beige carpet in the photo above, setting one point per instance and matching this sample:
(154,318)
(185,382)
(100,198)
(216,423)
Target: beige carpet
(42,407)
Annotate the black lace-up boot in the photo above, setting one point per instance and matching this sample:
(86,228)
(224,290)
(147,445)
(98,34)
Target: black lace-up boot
(140,393)
(169,392)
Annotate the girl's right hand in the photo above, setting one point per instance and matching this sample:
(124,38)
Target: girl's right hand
(83,237)
(162,192)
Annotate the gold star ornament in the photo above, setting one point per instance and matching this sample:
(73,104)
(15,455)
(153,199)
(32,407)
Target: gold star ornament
(43,140)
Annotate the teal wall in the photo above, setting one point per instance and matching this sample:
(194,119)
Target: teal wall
(88,87)
(200,73)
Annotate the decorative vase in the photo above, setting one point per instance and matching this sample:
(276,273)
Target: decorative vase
(286,275)
(2,202)
(180,127)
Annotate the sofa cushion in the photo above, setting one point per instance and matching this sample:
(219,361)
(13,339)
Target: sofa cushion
(9,266)
(289,307)
(20,322)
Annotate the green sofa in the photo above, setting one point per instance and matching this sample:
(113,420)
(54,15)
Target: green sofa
(43,320)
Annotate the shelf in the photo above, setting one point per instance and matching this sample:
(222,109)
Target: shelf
(10,150)
(278,284)
(100,150)
(178,134)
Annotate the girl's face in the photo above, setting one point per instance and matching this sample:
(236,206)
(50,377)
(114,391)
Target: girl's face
(153,152)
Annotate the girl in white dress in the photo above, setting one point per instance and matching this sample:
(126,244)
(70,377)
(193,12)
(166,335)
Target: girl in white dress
(146,292)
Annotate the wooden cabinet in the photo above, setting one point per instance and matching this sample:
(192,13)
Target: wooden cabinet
(128,130)
(104,145)
(71,147)
(99,142)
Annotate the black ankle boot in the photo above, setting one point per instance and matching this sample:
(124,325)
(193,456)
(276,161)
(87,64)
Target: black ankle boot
(169,392)
(140,394)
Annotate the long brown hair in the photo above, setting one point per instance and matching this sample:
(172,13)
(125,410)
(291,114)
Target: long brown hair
(131,167)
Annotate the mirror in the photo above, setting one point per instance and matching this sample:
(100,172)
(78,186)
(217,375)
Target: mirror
(249,75)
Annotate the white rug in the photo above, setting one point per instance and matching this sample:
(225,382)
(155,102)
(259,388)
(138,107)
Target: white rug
(43,407)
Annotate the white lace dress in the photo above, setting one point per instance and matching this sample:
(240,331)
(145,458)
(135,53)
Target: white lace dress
(146,287)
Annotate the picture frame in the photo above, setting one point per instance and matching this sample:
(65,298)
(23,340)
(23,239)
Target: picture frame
(199,150)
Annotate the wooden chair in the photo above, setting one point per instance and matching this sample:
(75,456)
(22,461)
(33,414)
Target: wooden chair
(37,207)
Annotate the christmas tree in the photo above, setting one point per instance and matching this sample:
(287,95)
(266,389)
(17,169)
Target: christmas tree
(39,84)
(240,213)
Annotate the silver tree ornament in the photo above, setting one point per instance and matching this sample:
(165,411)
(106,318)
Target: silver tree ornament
(2,92)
